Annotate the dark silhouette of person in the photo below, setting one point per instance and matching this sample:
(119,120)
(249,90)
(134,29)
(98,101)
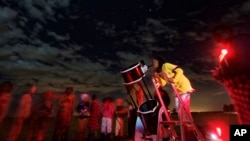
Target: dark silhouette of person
(64,115)
(94,119)
(6,88)
(83,116)
(23,112)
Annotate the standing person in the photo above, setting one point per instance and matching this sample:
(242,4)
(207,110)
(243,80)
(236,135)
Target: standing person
(83,110)
(62,122)
(171,73)
(107,111)
(233,68)
(68,94)
(42,117)
(6,88)
(95,115)
(65,113)
(23,112)
(46,110)
(120,113)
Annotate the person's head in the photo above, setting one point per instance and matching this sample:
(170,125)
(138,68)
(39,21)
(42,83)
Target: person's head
(157,63)
(69,90)
(6,87)
(48,95)
(32,88)
(85,97)
(119,101)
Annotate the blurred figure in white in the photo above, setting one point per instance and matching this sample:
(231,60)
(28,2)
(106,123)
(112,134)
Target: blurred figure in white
(107,111)
(83,110)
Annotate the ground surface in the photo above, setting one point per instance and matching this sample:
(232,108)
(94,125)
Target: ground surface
(211,119)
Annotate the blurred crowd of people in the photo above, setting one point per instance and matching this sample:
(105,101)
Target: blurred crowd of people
(97,119)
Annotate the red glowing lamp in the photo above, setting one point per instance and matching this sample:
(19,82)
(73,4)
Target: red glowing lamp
(223,54)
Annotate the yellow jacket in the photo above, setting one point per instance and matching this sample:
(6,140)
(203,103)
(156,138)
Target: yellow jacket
(175,73)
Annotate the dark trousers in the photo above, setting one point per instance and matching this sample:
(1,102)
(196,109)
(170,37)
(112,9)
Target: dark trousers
(94,135)
(61,134)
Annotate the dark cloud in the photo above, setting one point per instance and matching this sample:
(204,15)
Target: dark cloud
(85,44)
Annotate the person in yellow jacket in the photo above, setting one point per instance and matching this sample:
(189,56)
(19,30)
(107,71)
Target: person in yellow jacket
(171,73)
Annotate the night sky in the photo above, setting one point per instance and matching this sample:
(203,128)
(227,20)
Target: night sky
(86,43)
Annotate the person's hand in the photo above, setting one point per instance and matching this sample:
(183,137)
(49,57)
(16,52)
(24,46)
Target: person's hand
(157,81)
(156,75)
(170,80)
(157,84)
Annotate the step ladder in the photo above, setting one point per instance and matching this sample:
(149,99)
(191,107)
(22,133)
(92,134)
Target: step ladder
(180,122)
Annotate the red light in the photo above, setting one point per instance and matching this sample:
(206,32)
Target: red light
(220,128)
(224,51)
(218,131)
(223,54)
(214,137)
